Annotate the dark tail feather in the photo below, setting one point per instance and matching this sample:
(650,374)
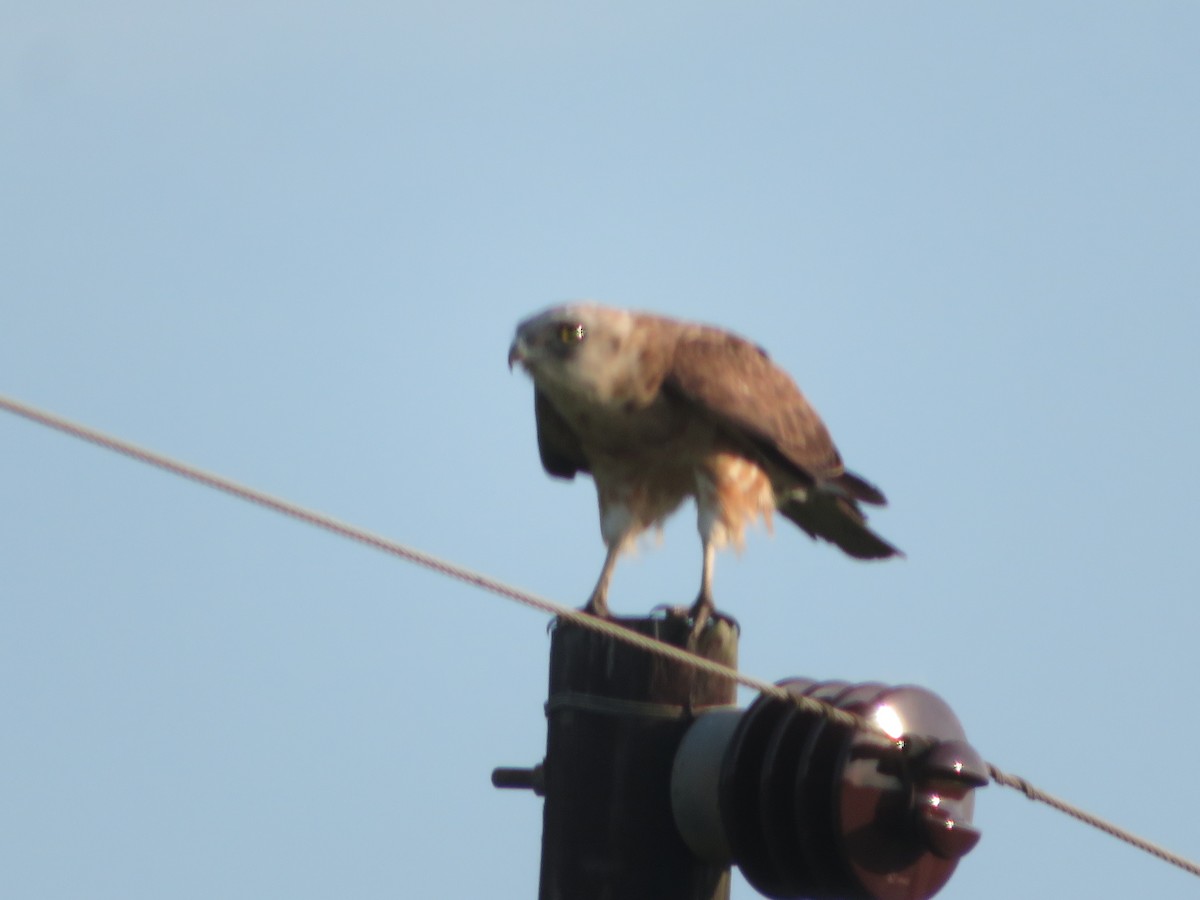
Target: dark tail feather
(828,515)
(860,489)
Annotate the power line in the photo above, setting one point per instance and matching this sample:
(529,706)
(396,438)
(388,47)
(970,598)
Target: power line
(462,573)
(1037,794)
(604,626)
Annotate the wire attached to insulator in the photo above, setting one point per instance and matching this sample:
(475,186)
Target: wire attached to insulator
(586,620)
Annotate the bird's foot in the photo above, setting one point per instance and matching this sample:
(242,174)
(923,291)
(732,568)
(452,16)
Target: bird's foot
(669,611)
(701,615)
(714,618)
(597,605)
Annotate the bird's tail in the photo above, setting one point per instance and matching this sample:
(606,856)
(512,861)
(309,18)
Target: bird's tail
(830,512)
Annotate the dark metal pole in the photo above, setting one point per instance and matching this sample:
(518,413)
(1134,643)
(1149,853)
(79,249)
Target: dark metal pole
(616,715)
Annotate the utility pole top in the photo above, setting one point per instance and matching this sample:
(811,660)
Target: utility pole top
(616,715)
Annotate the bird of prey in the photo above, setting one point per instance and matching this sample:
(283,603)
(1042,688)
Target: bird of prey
(657,410)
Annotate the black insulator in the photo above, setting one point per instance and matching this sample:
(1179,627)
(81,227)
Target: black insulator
(811,807)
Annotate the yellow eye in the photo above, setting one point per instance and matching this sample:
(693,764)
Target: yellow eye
(572,334)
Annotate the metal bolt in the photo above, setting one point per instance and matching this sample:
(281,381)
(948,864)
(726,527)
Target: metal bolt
(533,779)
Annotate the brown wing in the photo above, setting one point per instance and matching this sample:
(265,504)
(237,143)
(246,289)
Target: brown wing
(760,407)
(735,381)
(557,443)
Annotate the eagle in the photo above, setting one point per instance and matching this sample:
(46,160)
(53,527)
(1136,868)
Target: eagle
(658,410)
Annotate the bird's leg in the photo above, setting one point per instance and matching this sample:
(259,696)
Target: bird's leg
(597,604)
(704,606)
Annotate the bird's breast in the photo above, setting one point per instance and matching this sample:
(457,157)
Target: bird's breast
(643,459)
(655,428)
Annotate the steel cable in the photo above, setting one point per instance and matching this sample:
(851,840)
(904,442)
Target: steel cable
(566,613)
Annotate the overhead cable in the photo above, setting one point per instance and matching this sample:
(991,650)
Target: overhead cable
(567,613)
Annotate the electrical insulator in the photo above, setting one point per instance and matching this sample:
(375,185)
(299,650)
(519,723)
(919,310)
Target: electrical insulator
(809,807)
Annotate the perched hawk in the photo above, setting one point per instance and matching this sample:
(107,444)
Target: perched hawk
(657,410)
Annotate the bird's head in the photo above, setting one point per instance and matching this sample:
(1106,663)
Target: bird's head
(576,347)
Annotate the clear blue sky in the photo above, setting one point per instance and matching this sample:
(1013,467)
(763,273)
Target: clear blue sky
(289,243)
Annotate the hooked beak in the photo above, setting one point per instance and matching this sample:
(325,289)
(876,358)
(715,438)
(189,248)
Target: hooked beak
(516,353)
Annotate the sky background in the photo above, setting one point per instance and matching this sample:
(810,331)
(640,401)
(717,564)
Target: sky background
(289,243)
